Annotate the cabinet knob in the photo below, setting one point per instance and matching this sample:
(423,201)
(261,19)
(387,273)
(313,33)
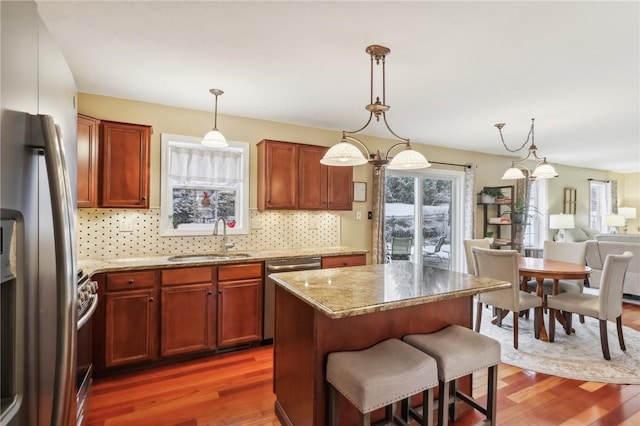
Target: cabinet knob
(344,264)
(151,299)
(210,292)
(143,199)
(130,282)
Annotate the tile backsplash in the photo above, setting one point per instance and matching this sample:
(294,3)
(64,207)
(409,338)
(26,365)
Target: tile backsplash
(99,233)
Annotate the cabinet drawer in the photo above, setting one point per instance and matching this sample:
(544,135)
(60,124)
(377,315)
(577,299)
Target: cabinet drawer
(240,272)
(344,261)
(186,276)
(130,280)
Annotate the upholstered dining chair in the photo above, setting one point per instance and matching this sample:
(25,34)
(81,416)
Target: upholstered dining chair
(572,252)
(478,242)
(607,306)
(503,265)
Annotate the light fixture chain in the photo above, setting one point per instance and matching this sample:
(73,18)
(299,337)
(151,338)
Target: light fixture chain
(529,136)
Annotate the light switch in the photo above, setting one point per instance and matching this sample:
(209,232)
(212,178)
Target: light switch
(126,225)
(358,215)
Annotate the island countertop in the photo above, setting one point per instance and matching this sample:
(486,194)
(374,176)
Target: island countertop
(358,290)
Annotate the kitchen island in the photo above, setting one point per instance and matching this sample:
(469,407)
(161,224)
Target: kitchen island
(323,311)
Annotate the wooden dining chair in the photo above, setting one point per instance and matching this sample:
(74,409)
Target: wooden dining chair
(607,306)
(503,265)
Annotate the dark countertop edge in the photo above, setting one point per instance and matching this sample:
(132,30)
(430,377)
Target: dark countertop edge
(95,266)
(389,305)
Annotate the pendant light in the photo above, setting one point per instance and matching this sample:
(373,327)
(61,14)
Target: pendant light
(346,153)
(214,138)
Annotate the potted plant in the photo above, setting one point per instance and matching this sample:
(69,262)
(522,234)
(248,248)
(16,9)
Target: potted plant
(489,236)
(489,194)
(522,212)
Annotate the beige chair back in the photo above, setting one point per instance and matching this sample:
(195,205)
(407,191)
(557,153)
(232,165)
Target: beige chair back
(479,242)
(565,252)
(613,273)
(501,265)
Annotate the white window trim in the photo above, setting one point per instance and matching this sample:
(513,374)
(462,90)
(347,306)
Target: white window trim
(166,228)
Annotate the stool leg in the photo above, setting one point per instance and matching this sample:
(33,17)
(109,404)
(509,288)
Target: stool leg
(492,390)
(443,404)
(427,407)
(453,411)
(404,409)
(333,405)
(365,419)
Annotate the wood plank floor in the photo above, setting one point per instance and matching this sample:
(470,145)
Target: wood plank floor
(236,389)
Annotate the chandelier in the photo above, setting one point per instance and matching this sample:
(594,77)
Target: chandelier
(214,138)
(346,153)
(542,170)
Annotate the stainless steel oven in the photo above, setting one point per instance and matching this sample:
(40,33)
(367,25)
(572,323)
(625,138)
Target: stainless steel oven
(87,303)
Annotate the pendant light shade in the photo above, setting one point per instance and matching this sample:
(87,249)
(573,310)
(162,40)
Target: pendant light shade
(408,159)
(544,171)
(214,138)
(513,173)
(343,154)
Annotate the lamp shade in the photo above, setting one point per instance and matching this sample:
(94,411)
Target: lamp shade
(408,159)
(343,154)
(214,139)
(613,220)
(513,173)
(544,171)
(561,221)
(627,212)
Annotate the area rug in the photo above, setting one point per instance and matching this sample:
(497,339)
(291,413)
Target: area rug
(578,356)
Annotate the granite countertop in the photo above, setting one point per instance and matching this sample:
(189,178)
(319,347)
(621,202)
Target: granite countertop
(93,266)
(358,290)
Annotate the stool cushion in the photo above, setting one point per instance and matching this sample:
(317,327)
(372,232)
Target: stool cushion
(458,350)
(382,374)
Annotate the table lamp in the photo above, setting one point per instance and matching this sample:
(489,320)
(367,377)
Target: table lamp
(561,222)
(627,213)
(613,221)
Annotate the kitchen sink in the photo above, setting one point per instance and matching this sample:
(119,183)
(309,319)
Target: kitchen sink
(206,257)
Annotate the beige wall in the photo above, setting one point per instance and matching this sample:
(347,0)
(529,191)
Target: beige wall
(355,233)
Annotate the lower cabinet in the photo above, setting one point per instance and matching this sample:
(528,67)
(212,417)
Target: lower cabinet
(240,304)
(344,261)
(131,319)
(187,319)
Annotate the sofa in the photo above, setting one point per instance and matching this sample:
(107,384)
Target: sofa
(604,244)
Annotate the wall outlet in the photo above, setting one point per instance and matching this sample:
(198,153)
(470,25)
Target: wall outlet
(126,225)
(358,215)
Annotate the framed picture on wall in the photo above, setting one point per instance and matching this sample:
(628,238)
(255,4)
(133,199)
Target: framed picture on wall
(569,201)
(359,191)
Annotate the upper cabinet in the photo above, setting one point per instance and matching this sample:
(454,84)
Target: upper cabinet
(290,177)
(88,146)
(113,164)
(125,165)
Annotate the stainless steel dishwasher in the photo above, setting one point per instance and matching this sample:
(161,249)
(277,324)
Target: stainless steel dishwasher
(275,266)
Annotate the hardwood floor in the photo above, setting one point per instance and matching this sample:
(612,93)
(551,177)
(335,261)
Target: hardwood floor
(236,389)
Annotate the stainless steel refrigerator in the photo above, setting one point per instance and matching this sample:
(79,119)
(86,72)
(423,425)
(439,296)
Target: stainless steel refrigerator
(37,240)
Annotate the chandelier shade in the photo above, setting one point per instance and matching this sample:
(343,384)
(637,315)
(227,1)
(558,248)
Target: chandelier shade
(542,169)
(346,153)
(214,138)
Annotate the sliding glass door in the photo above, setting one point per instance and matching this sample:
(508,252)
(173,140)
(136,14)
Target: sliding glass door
(423,217)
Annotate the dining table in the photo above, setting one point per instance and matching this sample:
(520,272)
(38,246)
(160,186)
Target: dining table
(556,270)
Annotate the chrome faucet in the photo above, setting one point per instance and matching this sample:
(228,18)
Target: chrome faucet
(225,244)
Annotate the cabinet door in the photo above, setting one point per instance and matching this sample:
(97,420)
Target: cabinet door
(131,327)
(239,312)
(187,320)
(88,145)
(312,178)
(339,188)
(277,175)
(125,165)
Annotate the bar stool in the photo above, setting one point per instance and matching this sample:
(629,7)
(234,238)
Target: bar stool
(379,376)
(460,351)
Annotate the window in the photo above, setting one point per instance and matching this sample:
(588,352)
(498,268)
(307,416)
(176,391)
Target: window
(599,204)
(535,231)
(200,184)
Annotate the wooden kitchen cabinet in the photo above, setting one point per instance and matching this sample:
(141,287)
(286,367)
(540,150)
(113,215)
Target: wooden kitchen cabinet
(240,304)
(88,147)
(188,302)
(124,160)
(130,318)
(344,261)
(290,177)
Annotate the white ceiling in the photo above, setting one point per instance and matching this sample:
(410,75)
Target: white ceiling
(455,68)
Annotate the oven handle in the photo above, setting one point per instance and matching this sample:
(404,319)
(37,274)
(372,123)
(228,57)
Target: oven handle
(87,315)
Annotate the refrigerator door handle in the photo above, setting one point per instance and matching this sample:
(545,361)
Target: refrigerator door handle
(44,127)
